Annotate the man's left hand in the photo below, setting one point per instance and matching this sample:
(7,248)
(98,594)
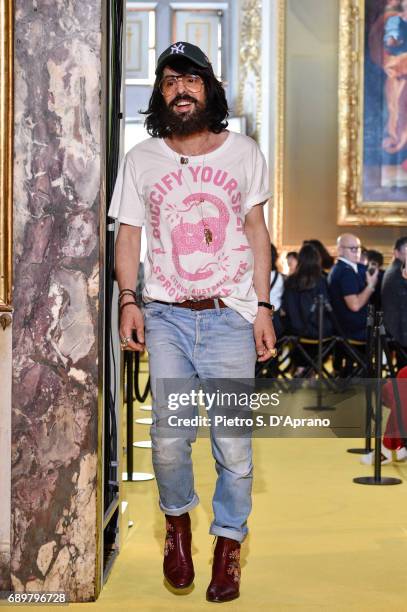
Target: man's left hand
(264,335)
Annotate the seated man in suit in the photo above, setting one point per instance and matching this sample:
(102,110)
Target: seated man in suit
(350,288)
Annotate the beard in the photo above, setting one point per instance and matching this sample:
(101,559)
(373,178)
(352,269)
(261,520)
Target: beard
(186,123)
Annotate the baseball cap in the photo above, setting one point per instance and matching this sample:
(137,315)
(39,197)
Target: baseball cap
(183,49)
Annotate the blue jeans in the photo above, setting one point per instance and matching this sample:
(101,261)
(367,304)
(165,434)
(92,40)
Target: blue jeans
(193,346)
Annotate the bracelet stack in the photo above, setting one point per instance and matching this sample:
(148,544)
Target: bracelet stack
(130,293)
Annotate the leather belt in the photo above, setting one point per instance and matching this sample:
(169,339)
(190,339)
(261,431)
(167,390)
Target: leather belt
(207,304)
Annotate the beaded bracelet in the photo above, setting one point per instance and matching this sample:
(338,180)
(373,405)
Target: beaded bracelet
(127,304)
(127,292)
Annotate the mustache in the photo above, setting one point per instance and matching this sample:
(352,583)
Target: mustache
(178,98)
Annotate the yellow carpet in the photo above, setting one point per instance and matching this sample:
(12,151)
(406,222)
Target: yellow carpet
(317,542)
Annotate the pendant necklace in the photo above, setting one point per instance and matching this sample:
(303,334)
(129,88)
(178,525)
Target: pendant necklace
(184,161)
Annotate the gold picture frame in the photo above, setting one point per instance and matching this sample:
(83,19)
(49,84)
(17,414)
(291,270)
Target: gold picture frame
(6,152)
(355,204)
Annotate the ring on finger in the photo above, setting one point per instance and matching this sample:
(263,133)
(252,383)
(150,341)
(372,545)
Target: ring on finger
(273,352)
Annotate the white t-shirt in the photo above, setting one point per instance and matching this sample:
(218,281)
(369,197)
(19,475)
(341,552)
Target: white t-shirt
(276,293)
(195,249)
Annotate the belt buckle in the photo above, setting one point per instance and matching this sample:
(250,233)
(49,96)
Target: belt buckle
(192,302)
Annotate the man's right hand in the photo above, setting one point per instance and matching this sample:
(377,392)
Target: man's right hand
(131,320)
(371,279)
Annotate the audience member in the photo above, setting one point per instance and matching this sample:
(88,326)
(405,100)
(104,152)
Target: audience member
(327,261)
(276,290)
(394,300)
(375,261)
(292,261)
(350,288)
(299,301)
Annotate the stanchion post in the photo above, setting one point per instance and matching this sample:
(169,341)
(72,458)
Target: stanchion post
(130,415)
(320,303)
(378,403)
(370,340)
(131,368)
(369,371)
(378,479)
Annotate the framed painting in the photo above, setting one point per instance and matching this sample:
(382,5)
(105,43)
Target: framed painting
(372,173)
(6,153)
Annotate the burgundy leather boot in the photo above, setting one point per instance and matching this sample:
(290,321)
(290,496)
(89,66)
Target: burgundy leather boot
(178,566)
(225,582)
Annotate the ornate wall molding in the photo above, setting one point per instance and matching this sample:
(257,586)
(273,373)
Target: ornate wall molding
(6,151)
(277,211)
(249,97)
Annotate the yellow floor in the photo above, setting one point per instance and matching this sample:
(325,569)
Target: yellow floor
(318,541)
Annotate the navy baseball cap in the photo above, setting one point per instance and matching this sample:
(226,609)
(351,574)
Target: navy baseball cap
(183,49)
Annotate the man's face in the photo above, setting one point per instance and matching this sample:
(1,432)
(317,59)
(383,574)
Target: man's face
(372,264)
(401,254)
(349,249)
(182,102)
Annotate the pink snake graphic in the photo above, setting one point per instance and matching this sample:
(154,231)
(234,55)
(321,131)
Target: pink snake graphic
(188,238)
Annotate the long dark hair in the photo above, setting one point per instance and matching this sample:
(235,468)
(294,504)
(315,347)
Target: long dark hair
(327,261)
(274,257)
(216,104)
(309,270)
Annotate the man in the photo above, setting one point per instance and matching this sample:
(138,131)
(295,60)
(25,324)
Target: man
(350,288)
(198,189)
(375,260)
(394,300)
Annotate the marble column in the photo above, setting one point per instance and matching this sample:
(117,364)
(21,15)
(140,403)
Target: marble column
(57,296)
(5,440)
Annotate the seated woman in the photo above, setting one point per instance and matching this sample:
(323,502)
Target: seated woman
(327,261)
(300,302)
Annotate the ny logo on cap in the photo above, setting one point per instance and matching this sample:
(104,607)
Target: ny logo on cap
(178,48)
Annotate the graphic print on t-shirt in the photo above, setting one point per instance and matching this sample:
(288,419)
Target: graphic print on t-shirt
(188,238)
(197,225)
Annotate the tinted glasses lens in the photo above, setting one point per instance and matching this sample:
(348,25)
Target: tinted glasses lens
(169,84)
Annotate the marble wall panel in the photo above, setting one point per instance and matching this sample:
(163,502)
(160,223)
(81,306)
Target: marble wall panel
(57,288)
(5,442)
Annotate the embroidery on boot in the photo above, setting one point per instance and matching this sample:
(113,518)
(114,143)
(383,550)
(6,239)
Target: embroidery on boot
(233,568)
(169,541)
(169,545)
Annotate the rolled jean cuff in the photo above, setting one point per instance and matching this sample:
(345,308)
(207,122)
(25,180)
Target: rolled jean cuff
(178,511)
(224,532)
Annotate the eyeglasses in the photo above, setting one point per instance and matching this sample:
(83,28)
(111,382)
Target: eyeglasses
(353,249)
(191,82)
